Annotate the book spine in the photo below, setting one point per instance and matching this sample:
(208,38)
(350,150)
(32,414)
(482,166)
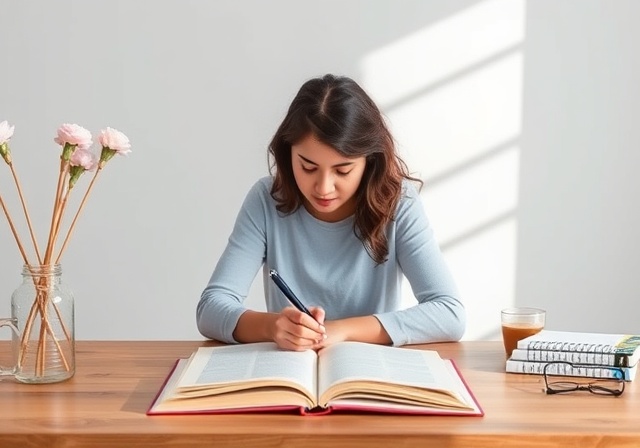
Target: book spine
(537,368)
(601,359)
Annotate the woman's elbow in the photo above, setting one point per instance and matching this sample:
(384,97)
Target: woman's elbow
(458,322)
(203,320)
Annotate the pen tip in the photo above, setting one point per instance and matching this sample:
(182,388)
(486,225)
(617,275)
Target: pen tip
(271,272)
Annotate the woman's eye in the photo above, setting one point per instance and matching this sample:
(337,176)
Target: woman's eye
(313,169)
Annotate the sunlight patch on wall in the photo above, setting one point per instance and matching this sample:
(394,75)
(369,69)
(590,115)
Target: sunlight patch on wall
(468,201)
(453,95)
(404,67)
(476,226)
(486,264)
(462,120)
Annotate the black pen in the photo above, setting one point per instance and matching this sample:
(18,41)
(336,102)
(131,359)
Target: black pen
(287,292)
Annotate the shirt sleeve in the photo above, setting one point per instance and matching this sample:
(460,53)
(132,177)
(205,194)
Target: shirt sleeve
(439,314)
(221,302)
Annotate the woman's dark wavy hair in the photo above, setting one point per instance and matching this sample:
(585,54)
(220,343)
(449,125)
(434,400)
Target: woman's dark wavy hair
(340,114)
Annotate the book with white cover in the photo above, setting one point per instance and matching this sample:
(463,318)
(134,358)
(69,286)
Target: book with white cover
(619,350)
(582,370)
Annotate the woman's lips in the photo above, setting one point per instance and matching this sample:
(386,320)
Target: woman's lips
(324,202)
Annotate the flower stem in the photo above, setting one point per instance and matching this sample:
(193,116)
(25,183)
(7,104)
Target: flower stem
(64,169)
(26,212)
(42,285)
(75,218)
(39,305)
(61,210)
(13,230)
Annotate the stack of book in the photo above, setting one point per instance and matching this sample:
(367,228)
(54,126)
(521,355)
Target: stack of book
(592,354)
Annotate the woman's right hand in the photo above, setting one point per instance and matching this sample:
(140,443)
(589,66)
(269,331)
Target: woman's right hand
(295,330)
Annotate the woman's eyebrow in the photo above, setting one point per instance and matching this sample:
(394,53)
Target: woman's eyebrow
(337,165)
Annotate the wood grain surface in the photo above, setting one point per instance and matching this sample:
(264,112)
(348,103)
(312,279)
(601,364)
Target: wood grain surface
(104,405)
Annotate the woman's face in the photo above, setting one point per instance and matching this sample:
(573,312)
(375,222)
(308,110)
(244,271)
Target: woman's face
(328,180)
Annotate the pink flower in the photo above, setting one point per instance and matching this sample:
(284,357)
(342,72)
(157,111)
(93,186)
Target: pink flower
(83,158)
(6,132)
(115,141)
(73,135)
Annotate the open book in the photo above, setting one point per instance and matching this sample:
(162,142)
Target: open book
(352,376)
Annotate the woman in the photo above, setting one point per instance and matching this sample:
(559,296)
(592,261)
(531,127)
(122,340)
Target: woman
(341,220)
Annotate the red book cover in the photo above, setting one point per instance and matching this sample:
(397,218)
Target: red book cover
(337,406)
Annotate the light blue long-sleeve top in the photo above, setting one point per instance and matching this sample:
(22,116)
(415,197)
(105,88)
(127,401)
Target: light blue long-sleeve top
(326,265)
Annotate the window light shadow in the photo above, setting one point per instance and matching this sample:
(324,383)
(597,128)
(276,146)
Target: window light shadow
(453,94)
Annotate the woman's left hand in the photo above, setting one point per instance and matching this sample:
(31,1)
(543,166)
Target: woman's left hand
(361,329)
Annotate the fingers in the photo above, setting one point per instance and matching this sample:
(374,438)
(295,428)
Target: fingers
(318,314)
(336,332)
(297,331)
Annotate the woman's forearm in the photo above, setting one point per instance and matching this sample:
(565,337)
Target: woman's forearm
(255,326)
(361,329)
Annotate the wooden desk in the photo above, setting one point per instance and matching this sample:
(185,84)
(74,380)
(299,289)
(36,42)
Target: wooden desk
(104,406)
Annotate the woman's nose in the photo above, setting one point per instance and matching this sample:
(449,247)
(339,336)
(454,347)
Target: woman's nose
(324,184)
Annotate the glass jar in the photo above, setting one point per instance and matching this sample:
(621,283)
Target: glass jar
(43,311)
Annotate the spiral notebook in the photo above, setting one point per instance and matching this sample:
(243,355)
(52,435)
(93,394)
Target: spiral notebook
(618,350)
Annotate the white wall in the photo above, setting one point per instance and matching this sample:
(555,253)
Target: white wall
(520,116)
(578,243)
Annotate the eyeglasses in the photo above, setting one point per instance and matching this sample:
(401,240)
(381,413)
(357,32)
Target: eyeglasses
(609,381)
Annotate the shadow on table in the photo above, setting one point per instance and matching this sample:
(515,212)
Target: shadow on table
(143,395)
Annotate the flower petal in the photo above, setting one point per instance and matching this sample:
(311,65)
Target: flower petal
(6,132)
(73,135)
(115,140)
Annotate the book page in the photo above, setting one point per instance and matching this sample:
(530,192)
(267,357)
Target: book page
(170,385)
(224,369)
(359,370)
(401,408)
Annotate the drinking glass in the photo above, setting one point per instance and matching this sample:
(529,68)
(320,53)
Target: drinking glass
(518,323)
